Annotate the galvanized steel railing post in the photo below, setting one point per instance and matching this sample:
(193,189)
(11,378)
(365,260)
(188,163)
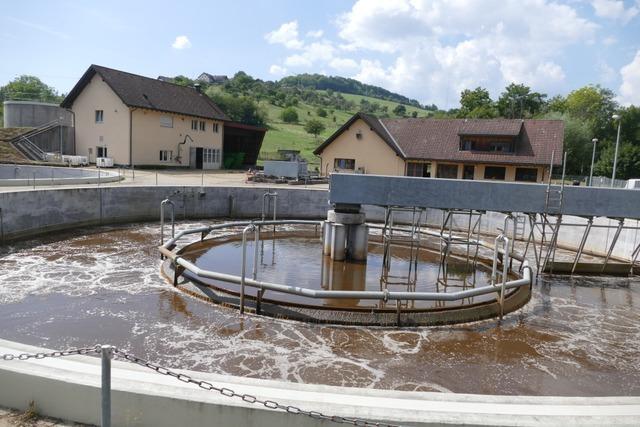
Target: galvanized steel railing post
(105,413)
(173,219)
(243,276)
(505,268)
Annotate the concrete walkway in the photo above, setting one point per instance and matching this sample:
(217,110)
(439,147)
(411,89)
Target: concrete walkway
(166,177)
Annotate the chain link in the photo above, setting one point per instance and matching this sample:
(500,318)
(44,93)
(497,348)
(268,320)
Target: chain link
(269,404)
(69,352)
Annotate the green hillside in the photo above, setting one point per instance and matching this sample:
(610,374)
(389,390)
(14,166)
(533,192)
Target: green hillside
(257,102)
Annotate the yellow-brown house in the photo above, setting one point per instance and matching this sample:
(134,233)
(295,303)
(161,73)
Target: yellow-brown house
(496,149)
(140,121)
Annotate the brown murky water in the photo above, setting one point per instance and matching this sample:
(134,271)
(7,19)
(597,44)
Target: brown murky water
(298,261)
(577,336)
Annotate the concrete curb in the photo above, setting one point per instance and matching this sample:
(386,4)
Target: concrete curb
(68,388)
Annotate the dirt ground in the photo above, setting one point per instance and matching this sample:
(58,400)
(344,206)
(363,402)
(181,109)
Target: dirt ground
(30,418)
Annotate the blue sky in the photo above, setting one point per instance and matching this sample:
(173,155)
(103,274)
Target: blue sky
(425,49)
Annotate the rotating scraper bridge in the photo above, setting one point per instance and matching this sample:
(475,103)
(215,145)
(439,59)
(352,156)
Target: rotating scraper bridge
(542,209)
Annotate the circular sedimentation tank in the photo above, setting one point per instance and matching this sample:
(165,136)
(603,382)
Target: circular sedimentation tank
(577,336)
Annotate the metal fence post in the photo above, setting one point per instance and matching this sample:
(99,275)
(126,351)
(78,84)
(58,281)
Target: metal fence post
(107,354)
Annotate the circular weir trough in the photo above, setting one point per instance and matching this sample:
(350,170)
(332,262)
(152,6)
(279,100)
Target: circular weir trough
(454,315)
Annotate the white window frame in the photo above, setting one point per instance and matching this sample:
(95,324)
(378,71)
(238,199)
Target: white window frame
(211,155)
(214,126)
(203,126)
(166,155)
(166,121)
(99,116)
(194,125)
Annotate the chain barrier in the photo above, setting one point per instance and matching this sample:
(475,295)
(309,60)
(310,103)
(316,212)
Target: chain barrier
(70,352)
(269,404)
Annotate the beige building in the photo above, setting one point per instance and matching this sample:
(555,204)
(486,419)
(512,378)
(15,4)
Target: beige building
(500,149)
(140,121)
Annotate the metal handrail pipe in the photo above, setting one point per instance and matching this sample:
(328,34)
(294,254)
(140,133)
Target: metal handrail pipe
(239,224)
(371,295)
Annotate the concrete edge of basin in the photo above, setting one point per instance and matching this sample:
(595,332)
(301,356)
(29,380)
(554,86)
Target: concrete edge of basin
(69,388)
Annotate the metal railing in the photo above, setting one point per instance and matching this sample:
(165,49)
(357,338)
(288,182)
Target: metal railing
(108,352)
(181,263)
(173,219)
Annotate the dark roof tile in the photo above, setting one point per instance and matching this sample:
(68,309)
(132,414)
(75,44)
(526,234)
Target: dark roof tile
(144,92)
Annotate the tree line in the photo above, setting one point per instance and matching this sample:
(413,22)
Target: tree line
(587,112)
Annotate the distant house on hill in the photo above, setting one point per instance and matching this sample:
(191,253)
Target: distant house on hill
(211,79)
(493,149)
(141,121)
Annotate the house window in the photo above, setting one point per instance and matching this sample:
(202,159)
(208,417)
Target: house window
(344,164)
(495,172)
(211,155)
(166,121)
(447,171)
(527,174)
(166,155)
(358,135)
(99,116)
(214,126)
(422,170)
(194,125)
(468,172)
(202,126)
(492,143)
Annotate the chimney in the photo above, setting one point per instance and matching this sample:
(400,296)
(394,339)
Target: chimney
(196,86)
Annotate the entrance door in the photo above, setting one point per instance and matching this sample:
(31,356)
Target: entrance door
(101,151)
(199,156)
(468,172)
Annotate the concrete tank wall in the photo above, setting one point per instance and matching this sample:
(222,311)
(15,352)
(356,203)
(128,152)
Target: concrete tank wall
(29,213)
(33,114)
(33,212)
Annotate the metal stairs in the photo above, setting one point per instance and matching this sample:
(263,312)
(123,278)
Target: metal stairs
(28,148)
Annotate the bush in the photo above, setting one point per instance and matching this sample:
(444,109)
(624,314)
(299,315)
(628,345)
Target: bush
(321,112)
(289,115)
(314,127)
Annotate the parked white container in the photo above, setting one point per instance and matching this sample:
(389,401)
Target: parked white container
(104,162)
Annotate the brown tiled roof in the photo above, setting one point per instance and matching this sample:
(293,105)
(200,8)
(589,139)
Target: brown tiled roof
(480,127)
(144,92)
(438,139)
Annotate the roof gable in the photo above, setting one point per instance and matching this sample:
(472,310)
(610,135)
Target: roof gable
(143,92)
(376,126)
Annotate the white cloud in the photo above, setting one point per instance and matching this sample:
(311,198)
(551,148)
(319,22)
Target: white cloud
(614,9)
(297,61)
(315,34)
(286,35)
(343,64)
(610,40)
(630,87)
(277,70)
(439,47)
(433,49)
(181,42)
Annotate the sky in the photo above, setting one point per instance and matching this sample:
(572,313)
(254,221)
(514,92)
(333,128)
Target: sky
(429,50)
